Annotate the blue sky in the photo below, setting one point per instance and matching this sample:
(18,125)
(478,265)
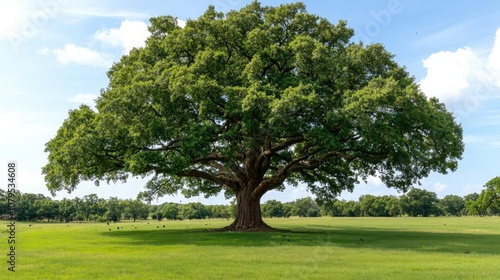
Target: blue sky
(54,55)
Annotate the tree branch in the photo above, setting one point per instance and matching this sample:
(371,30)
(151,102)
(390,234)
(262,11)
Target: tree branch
(205,175)
(168,147)
(298,164)
(284,145)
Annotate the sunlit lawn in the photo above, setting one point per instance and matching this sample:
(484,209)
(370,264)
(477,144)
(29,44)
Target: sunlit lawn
(316,248)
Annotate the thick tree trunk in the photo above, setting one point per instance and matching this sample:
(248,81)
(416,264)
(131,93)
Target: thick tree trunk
(248,214)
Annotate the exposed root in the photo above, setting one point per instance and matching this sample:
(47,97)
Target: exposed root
(260,228)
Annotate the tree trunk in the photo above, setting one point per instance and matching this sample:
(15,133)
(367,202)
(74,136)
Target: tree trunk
(248,214)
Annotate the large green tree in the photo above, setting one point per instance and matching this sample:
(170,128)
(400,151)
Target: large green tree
(252,101)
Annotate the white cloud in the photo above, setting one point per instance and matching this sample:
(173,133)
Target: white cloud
(79,55)
(439,187)
(130,34)
(181,23)
(43,51)
(84,98)
(463,79)
(374,180)
(449,73)
(432,186)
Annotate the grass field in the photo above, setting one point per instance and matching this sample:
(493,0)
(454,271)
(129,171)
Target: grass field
(317,248)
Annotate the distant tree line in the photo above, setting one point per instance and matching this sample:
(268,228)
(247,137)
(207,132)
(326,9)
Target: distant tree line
(37,207)
(417,202)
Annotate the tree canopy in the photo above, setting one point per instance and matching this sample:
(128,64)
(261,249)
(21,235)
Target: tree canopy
(488,199)
(251,101)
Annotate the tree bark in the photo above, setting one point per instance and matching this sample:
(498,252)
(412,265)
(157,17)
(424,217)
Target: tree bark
(248,214)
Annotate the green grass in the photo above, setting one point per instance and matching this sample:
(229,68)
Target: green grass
(317,248)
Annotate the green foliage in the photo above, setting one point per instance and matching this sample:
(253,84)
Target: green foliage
(488,201)
(26,206)
(193,210)
(170,211)
(114,210)
(93,208)
(273,208)
(371,206)
(393,206)
(67,210)
(305,207)
(219,211)
(46,209)
(157,216)
(453,205)
(470,204)
(349,208)
(257,98)
(4,208)
(134,209)
(89,206)
(383,206)
(419,202)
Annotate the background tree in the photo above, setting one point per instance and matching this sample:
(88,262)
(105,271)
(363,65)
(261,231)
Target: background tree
(351,208)
(102,207)
(46,209)
(67,210)
(221,211)
(470,204)
(488,201)
(305,207)
(171,211)
(154,209)
(79,209)
(35,207)
(134,209)
(453,205)
(273,208)
(392,206)
(114,210)
(233,208)
(419,202)
(252,101)
(158,215)
(287,209)
(193,210)
(4,208)
(27,207)
(332,208)
(89,206)
(372,206)
(338,208)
